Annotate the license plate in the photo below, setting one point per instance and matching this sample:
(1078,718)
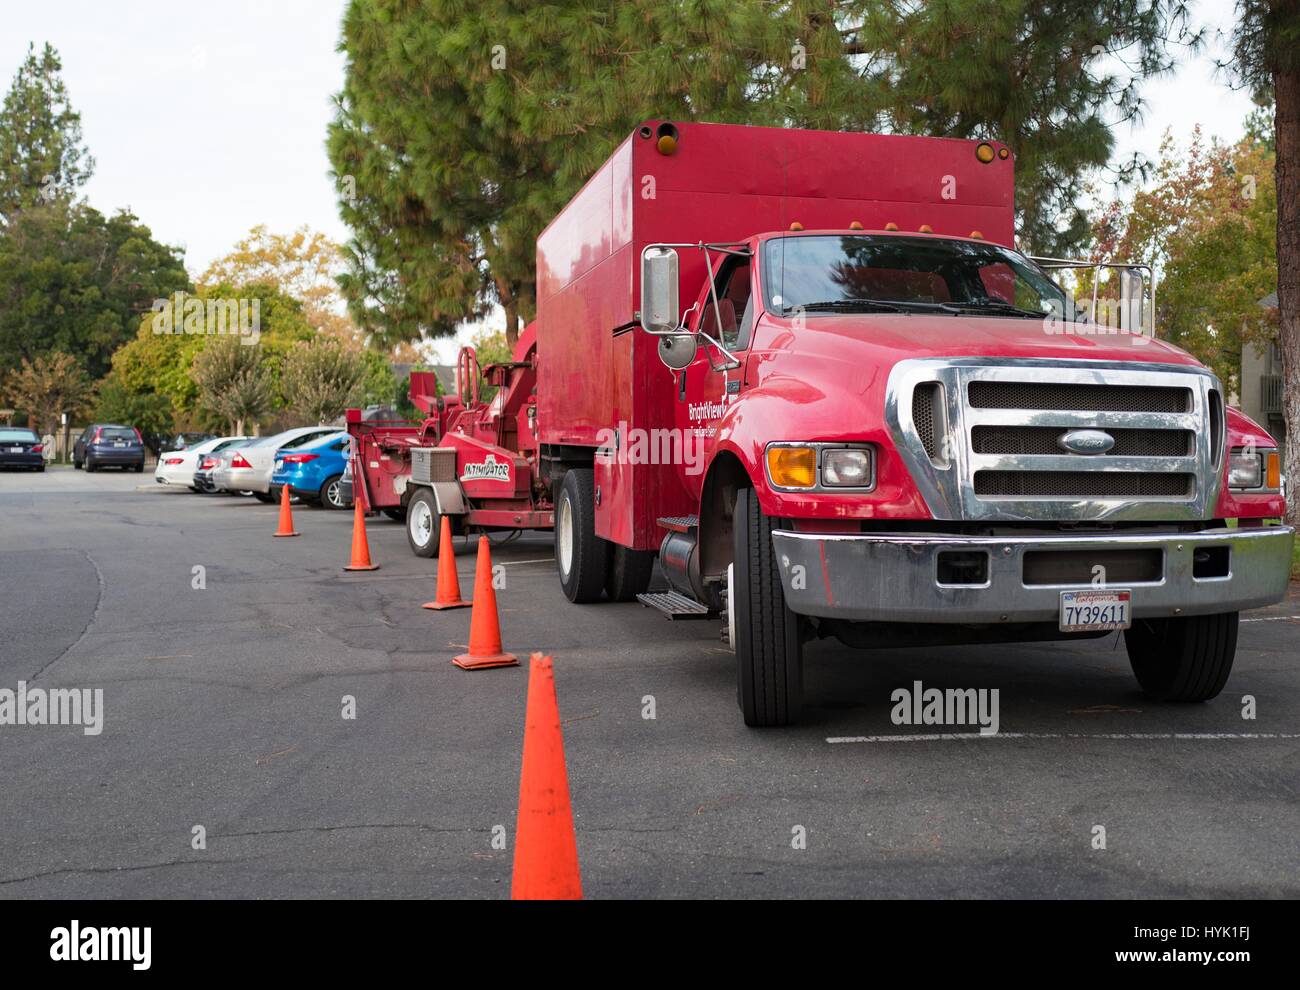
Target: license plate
(120,443)
(15,450)
(1091,611)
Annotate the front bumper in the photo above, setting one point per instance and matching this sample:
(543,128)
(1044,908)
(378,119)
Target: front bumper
(882,577)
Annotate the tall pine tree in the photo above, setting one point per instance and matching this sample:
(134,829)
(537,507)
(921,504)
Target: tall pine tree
(42,157)
(462,129)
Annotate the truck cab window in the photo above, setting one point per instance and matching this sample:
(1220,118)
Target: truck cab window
(734,306)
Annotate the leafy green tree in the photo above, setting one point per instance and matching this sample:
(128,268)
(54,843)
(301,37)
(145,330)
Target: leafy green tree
(42,157)
(150,413)
(233,381)
(1267,60)
(462,129)
(163,364)
(321,379)
(75,281)
(48,386)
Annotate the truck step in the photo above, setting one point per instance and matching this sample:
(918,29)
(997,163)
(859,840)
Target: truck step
(679,524)
(675,606)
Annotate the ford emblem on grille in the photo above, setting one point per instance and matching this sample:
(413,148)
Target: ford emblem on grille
(1086,441)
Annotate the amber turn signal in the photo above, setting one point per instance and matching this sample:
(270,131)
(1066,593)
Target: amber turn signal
(984,152)
(1273,470)
(792,467)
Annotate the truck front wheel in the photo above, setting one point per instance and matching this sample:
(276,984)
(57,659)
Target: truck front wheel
(769,656)
(423,524)
(1183,659)
(581,556)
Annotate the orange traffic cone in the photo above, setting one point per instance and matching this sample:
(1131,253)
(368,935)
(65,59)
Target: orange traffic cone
(448,595)
(286,515)
(546,848)
(360,545)
(484,629)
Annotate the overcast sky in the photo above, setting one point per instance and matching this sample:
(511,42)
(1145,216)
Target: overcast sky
(208,118)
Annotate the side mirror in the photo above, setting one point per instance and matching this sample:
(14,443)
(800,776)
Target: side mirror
(1132,298)
(678,350)
(660,309)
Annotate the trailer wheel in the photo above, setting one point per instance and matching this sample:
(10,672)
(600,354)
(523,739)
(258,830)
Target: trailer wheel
(769,656)
(423,523)
(629,573)
(1183,659)
(581,556)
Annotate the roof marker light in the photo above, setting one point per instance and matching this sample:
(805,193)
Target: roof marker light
(926,229)
(977,235)
(984,152)
(891,226)
(796,225)
(855,225)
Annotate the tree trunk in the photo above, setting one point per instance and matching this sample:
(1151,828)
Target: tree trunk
(239,428)
(510,303)
(1287,122)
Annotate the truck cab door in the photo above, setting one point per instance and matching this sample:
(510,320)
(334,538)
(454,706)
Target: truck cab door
(703,391)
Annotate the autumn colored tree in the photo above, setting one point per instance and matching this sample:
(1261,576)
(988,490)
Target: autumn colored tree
(304,264)
(47,387)
(1208,223)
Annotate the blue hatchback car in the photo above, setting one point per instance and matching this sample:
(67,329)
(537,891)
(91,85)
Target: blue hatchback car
(314,472)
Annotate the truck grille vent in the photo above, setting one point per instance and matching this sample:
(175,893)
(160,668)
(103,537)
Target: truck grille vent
(1043,440)
(1084,484)
(1089,398)
(927,415)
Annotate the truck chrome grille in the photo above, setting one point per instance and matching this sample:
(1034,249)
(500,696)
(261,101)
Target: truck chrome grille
(1090,398)
(1045,440)
(1084,484)
(1002,427)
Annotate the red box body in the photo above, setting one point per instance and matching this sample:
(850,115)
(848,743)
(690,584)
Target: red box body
(598,372)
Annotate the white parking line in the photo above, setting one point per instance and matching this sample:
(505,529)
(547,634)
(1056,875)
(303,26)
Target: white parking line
(1272,618)
(969,736)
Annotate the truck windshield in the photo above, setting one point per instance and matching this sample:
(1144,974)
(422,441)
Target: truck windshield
(873,274)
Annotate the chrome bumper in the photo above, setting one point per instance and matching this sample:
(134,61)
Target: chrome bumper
(891,577)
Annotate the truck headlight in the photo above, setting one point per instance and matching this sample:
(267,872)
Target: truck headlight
(1249,469)
(846,467)
(811,466)
(1245,470)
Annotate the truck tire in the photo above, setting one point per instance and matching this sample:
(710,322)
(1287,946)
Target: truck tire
(769,655)
(629,573)
(1182,659)
(581,557)
(423,523)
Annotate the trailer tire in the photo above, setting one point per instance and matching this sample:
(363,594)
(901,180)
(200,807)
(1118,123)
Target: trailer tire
(629,573)
(423,523)
(1182,659)
(769,655)
(581,557)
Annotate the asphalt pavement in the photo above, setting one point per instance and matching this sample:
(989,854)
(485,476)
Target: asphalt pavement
(225,689)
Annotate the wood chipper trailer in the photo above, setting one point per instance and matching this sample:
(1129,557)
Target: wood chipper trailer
(471,459)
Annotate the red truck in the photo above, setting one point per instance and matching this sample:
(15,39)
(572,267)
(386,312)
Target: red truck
(811,375)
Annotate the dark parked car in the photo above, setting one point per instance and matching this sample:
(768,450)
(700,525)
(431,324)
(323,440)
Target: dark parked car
(21,448)
(109,445)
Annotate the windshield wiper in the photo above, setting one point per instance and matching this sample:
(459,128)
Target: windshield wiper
(994,305)
(849,305)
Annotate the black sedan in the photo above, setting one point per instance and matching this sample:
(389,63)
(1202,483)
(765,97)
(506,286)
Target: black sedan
(21,448)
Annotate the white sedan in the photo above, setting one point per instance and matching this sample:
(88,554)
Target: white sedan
(248,467)
(176,467)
